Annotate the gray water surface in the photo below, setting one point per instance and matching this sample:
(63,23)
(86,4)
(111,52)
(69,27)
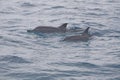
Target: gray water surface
(29,56)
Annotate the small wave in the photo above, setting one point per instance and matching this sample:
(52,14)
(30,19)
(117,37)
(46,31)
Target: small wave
(96,14)
(57,7)
(115,18)
(79,64)
(6,12)
(115,66)
(13,59)
(117,78)
(27,4)
(95,9)
(75,73)
(53,76)
(93,24)
(112,1)
(1,36)
(54,20)
(31,76)
(14,21)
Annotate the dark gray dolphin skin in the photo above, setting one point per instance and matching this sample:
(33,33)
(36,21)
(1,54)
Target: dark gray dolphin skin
(50,29)
(83,37)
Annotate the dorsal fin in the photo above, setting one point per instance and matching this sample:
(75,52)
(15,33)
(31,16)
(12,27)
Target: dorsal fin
(63,26)
(86,31)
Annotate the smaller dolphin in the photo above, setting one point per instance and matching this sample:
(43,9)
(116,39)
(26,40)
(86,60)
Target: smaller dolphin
(83,37)
(49,29)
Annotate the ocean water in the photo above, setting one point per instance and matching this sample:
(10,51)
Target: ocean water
(29,56)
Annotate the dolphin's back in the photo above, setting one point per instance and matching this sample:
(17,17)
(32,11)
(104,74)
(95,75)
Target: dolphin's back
(46,29)
(76,38)
(49,29)
(84,37)
(71,38)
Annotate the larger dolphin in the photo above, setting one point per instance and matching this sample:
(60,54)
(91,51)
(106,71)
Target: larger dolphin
(83,37)
(50,29)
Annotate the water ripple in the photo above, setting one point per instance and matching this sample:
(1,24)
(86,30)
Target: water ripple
(114,66)
(13,59)
(79,64)
(46,56)
(27,4)
(58,7)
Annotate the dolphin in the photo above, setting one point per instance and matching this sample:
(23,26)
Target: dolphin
(50,29)
(83,37)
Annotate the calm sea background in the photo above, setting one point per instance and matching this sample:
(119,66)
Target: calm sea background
(29,56)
